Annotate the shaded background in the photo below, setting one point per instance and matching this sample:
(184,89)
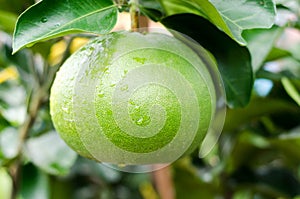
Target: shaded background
(257,156)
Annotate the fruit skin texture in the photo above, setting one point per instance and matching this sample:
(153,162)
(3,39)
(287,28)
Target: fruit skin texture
(132,98)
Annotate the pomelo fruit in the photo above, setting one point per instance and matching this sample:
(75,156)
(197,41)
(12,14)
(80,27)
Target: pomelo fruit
(133,98)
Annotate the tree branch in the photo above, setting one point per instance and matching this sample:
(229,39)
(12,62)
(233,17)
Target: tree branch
(164,183)
(134,15)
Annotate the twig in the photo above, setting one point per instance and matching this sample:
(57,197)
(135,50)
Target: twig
(164,183)
(134,15)
(15,168)
(36,100)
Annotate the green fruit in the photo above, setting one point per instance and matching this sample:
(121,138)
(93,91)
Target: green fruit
(132,98)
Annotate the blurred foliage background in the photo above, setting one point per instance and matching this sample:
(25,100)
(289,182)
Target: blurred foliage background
(257,156)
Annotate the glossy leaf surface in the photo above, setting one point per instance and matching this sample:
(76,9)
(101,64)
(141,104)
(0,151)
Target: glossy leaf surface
(49,19)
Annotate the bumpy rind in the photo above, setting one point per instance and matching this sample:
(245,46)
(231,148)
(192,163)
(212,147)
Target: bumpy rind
(102,52)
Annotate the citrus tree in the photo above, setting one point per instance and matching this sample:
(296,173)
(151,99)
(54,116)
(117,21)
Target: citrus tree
(253,45)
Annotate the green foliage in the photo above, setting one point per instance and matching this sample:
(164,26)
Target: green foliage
(42,22)
(257,155)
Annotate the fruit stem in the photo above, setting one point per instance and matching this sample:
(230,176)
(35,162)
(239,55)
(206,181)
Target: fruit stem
(134,14)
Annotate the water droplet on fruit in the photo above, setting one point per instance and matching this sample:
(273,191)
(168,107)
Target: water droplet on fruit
(124,73)
(65,109)
(140,60)
(124,88)
(105,70)
(131,102)
(109,113)
(101,94)
(137,108)
(143,121)
(44,20)
(140,121)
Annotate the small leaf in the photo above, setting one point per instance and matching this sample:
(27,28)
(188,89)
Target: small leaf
(50,153)
(232,17)
(53,18)
(188,183)
(277,53)
(291,90)
(243,148)
(288,144)
(35,184)
(233,60)
(258,107)
(153,14)
(202,8)
(260,43)
(240,15)
(5,184)
(9,142)
(3,122)
(152,9)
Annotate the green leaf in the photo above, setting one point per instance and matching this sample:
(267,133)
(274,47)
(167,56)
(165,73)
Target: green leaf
(7,21)
(153,14)
(243,148)
(189,185)
(53,18)
(258,107)
(50,153)
(260,43)
(277,53)
(240,15)
(233,60)
(35,184)
(152,9)
(288,144)
(9,143)
(5,184)
(202,8)
(3,122)
(291,89)
(232,17)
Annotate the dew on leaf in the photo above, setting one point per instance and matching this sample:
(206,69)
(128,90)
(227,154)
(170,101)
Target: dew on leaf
(44,20)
